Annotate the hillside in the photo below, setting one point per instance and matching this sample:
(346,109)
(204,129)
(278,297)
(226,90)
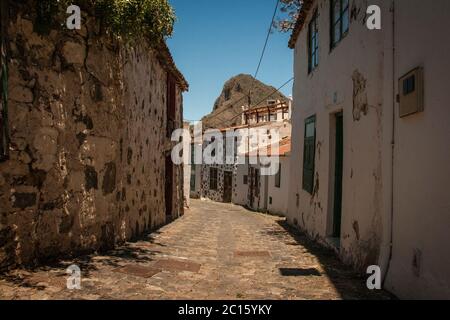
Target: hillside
(235,94)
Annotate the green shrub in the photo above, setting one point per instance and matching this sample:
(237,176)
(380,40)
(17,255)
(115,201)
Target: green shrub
(129,19)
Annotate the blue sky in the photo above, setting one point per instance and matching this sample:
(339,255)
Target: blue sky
(215,40)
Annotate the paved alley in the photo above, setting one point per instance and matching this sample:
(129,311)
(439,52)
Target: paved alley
(215,251)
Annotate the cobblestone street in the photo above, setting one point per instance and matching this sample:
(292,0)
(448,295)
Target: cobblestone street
(216,251)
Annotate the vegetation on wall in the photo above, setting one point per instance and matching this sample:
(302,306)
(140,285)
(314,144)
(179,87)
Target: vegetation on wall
(129,19)
(289,10)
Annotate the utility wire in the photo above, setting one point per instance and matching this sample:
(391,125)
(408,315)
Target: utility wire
(267,38)
(262,100)
(259,63)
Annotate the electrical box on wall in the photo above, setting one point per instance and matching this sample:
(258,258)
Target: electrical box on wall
(411,91)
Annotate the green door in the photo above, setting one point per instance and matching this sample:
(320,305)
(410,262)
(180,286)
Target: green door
(339,164)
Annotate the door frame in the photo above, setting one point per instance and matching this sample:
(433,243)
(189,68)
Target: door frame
(230,174)
(336,176)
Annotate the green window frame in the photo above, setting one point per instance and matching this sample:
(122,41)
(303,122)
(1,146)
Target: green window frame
(309,154)
(313,43)
(339,21)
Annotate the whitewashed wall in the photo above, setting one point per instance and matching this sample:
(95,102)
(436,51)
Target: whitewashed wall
(324,92)
(280,195)
(422,156)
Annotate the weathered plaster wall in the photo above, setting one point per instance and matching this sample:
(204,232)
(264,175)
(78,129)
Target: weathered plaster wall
(280,196)
(421,257)
(349,78)
(240,190)
(87,122)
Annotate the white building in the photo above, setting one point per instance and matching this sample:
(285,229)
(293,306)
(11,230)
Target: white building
(373,172)
(238,184)
(269,193)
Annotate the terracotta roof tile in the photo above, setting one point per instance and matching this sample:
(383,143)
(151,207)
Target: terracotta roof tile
(304,10)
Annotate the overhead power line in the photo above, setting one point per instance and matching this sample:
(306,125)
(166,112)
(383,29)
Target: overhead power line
(261,101)
(248,96)
(267,38)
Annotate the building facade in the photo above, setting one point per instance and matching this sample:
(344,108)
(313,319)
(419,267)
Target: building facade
(87,156)
(369,138)
(241,182)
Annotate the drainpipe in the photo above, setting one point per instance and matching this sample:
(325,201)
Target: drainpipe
(394,99)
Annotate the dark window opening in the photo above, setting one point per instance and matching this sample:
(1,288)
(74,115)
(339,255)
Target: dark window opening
(409,85)
(171,104)
(213,178)
(246,179)
(256,182)
(278,177)
(313,44)
(339,20)
(309,153)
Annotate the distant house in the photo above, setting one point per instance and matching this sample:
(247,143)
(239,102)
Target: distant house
(242,183)
(370,155)
(269,193)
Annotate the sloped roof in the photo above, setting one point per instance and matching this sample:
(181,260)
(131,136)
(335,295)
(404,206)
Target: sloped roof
(304,10)
(284,148)
(165,58)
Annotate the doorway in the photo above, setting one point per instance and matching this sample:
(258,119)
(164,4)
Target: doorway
(227,186)
(169,188)
(338,169)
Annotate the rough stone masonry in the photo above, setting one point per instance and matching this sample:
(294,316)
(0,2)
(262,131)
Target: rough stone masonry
(88,143)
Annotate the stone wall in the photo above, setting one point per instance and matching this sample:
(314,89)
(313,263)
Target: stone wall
(87,118)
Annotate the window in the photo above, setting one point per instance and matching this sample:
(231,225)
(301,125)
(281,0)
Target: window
(309,153)
(246,179)
(278,177)
(260,118)
(340,20)
(409,85)
(193,178)
(171,104)
(313,43)
(256,182)
(273,116)
(213,178)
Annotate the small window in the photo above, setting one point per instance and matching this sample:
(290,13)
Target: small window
(309,154)
(213,178)
(339,20)
(313,44)
(273,117)
(246,179)
(270,200)
(409,85)
(278,177)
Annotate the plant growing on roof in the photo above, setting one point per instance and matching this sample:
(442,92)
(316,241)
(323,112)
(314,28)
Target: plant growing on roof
(128,19)
(289,10)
